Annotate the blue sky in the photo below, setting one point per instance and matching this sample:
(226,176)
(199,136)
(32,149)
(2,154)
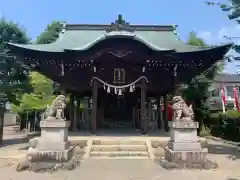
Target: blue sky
(190,15)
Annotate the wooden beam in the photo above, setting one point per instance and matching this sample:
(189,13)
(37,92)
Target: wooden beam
(94,106)
(2,111)
(165,113)
(75,114)
(143,108)
(71,110)
(159,113)
(78,111)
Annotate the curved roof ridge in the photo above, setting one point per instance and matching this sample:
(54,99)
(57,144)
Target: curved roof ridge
(136,27)
(119,34)
(226,45)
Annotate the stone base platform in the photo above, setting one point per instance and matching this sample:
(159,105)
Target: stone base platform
(47,165)
(63,155)
(53,143)
(184,149)
(185,156)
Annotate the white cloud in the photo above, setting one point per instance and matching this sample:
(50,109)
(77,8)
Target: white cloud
(206,35)
(218,37)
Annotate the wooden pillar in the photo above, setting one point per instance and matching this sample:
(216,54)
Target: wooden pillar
(150,117)
(78,113)
(143,108)
(159,113)
(89,103)
(2,111)
(100,114)
(94,106)
(71,110)
(75,114)
(134,116)
(165,113)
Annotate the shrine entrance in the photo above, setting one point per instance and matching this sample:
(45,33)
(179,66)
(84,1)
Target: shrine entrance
(118,111)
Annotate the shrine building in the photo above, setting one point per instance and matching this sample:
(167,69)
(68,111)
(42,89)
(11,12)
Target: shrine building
(122,70)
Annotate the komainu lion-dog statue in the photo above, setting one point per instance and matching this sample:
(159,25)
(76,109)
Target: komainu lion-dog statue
(56,110)
(181,111)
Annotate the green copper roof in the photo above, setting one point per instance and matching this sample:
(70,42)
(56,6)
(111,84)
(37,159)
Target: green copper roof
(82,37)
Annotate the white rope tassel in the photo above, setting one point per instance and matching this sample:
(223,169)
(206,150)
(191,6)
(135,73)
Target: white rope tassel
(175,70)
(120,92)
(131,89)
(108,89)
(117,88)
(62,69)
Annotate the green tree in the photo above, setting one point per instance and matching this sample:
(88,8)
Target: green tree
(195,41)
(197,90)
(38,99)
(42,93)
(13,74)
(233,7)
(50,34)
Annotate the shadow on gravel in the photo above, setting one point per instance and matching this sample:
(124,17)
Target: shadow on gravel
(232,151)
(9,142)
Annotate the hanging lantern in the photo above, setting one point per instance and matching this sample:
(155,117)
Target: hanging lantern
(104,87)
(108,89)
(115,90)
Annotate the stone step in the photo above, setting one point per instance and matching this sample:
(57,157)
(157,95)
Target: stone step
(119,157)
(119,153)
(111,148)
(118,142)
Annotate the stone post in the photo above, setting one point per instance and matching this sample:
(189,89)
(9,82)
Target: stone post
(184,145)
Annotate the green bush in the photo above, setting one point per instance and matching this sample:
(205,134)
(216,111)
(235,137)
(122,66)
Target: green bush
(232,114)
(225,125)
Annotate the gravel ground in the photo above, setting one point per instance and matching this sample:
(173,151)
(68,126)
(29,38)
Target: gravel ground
(122,170)
(227,156)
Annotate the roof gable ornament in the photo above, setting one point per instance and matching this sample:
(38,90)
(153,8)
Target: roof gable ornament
(120,25)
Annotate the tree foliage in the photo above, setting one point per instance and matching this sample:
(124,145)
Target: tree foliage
(197,90)
(13,74)
(41,96)
(233,7)
(50,34)
(42,93)
(194,40)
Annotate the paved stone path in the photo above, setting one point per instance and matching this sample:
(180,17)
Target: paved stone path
(227,156)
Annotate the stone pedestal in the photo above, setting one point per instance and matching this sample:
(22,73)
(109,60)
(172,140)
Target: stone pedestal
(184,145)
(53,143)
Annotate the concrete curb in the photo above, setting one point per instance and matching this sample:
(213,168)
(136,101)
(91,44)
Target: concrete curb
(150,150)
(237,145)
(88,149)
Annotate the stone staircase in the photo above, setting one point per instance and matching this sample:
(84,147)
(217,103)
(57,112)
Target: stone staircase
(120,149)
